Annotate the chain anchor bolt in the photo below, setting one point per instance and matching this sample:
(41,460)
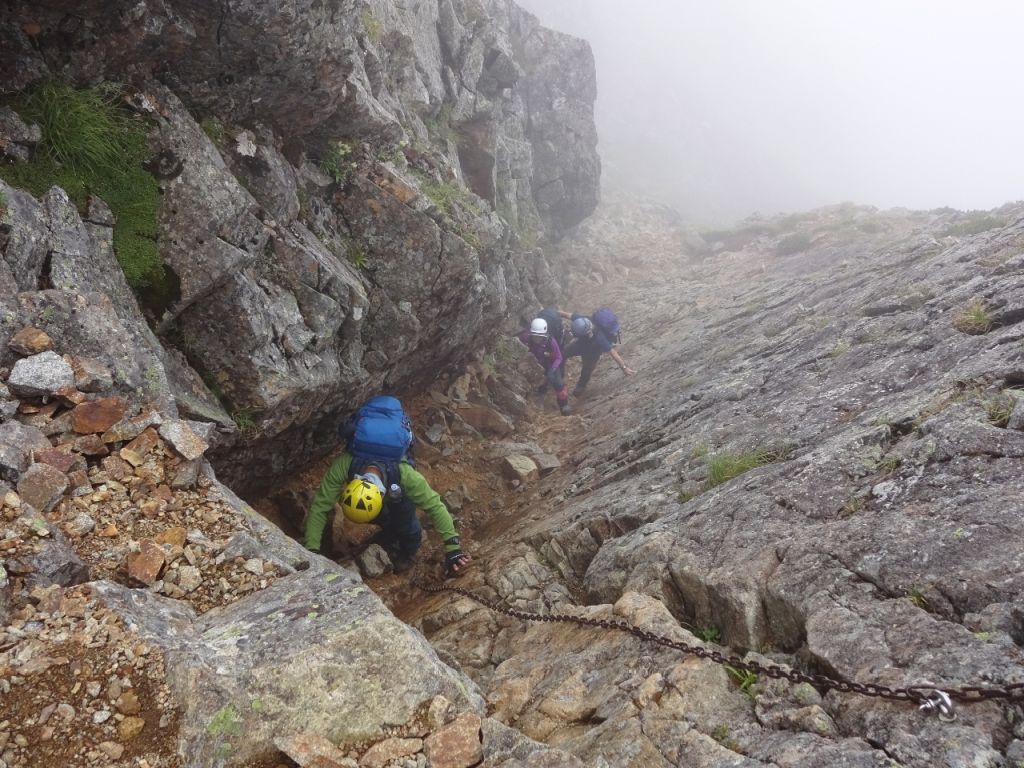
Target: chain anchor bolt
(938,701)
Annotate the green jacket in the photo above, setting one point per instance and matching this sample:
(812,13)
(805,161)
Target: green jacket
(414,486)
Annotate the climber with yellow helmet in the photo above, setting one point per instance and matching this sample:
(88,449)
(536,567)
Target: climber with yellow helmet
(375,482)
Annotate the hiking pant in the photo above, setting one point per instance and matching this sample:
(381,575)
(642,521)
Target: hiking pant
(399,524)
(556,378)
(589,363)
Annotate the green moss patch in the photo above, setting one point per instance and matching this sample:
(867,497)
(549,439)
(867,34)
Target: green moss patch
(91,145)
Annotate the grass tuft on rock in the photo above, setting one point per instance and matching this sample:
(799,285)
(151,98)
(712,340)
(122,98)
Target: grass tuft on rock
(337,161)
(974,319)
(91,145)
(723,467)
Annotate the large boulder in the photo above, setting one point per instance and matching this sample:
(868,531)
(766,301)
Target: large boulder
(316,651)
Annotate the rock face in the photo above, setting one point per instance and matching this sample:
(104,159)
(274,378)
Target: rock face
(58,274)
(352,214)
(817,466)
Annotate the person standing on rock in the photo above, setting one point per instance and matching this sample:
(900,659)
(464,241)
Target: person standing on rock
(376,483)
(593,337)
(543,338)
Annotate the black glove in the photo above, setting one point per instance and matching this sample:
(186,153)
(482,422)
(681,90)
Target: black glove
(455,562)
(551,374)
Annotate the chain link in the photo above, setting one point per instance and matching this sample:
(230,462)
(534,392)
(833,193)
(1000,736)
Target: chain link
(928,697)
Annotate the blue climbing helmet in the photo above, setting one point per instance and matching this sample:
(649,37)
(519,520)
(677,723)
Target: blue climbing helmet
(581,326)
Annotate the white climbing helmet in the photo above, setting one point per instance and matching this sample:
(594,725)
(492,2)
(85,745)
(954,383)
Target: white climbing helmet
(539,327)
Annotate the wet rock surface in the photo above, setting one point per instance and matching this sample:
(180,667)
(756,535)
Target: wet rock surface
(824,486)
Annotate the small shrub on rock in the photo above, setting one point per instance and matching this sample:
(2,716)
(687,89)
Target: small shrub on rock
(974,319)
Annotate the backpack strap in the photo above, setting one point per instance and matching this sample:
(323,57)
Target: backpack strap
(556,329)
(392,473)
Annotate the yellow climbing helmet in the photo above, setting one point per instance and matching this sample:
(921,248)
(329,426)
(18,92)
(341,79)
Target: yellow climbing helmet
(362,501)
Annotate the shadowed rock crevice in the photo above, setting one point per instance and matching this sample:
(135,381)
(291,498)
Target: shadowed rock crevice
(476,157)
(44,281)
(157,299)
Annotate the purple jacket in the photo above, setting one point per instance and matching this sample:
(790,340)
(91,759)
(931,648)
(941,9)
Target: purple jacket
(547,351)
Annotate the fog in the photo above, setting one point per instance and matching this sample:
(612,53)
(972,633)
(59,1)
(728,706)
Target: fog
(723,108)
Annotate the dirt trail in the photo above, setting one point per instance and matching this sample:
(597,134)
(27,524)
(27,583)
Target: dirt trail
(494,515)
(499,514)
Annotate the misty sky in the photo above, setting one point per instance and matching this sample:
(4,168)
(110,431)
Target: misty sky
(726,107)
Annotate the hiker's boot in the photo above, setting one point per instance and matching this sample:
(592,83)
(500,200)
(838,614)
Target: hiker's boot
(403,563)
(565,409)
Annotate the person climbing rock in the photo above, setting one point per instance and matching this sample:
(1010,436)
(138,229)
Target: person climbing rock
(543,339)
(376,483)
(592,337)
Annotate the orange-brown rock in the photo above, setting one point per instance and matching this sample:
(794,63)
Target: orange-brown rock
(30,341)
(70,396)
(151,475)
(144,443)
(127,454)
(145,565)
(80,484)
(90,375)
(129,429)
(184,440)
(130,727)
(116,468)
(172,536)
(311,749)
(128,703)
(91,445)
(60,458)
(98,415)
(383,752)
(152,507)
(456,745)
(36,409)
(163,492)
(42,486)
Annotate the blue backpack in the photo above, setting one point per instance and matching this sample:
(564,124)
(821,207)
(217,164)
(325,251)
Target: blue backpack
(606,320)
(380,429)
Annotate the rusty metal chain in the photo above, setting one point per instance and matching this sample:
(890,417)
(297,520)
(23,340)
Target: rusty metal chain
(928,697)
